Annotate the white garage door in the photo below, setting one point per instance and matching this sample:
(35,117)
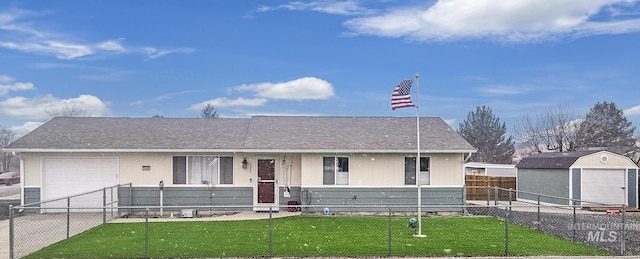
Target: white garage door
(63,177)
(603,185)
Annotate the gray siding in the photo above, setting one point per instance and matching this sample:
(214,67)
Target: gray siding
(197,196)
(549,182)
(576,173)
(381,198)
(405,199)
(294,196)
(632,191)
(189,196)
(31,195)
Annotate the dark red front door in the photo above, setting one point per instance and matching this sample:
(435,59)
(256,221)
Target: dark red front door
(266,180)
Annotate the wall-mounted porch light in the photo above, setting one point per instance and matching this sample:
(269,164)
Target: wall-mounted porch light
(244,163)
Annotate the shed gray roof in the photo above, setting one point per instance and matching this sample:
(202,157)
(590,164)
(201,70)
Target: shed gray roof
(552,160)
(258,133)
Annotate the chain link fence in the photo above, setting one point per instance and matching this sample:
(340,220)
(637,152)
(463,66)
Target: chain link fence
(614,227)
(38,225)
(499,228)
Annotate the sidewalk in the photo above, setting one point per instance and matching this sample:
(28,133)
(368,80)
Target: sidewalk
(4,239)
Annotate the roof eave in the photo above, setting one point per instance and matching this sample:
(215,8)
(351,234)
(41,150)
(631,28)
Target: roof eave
(317,151)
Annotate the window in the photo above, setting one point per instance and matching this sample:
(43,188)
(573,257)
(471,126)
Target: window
(410,171)
(335,170)
(202,170)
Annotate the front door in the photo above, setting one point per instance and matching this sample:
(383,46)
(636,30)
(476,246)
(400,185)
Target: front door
(267,185)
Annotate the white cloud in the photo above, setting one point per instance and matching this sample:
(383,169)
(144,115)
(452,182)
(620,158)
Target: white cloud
(25,128)
(508,21)
(26,37)
(306,88)
(633,111)
(7,84)
(229,103)
(499,90)
(172,95)
(111,45)
(614,27)
(58,49)
(153,53)
(349,7)
(451,122)
(35,108)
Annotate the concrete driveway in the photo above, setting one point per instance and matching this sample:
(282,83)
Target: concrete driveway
(8,195)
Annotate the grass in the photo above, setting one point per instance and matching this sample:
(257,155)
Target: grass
(306,236)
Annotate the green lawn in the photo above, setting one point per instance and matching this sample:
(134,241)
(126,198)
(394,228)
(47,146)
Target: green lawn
(313,236)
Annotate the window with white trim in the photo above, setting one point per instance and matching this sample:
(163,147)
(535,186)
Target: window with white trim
(202,170)
(410,171)
(335,170)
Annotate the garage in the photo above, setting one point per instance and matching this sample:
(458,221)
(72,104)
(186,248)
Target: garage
(63,177)
(603,185)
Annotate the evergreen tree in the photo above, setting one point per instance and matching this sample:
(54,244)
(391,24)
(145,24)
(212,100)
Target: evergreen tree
(606,127)
(483,130)
(208,112)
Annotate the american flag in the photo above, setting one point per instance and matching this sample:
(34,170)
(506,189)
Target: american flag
(401,97)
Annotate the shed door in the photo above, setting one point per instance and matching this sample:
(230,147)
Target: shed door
(62,177)
(603,185)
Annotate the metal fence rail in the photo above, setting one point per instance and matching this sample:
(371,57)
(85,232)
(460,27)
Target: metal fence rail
(33,228)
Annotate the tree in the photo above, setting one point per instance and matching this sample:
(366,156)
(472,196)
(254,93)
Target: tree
(606,127)
(209,112)
(6,136)
(553,130)
(65,110)
(484,131)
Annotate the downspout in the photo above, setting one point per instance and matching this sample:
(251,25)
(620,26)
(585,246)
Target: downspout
(464,181)
(22,180)
(468,157)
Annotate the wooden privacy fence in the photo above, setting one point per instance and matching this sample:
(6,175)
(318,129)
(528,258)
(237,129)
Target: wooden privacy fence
(477,186)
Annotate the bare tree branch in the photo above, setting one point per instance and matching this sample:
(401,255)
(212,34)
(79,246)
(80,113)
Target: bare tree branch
(65,110)
(553,130)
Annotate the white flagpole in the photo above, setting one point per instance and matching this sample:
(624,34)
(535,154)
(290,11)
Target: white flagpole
(418,157)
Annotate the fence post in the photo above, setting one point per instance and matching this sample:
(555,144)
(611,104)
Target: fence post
(506,231)
(270,231)
(11,241)
(111,201)
(68,215)
(488,195)
(104,205)
(538,214)
(389,225)
(623,239)
(495,195)
(130,198)
(464,198)
(146,234)
(573,228)
(510,198)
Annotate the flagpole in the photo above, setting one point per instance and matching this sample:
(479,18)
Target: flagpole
(418,157)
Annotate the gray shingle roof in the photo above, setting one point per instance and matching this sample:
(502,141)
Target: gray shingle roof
(135,133)
(552,160)
(261,133)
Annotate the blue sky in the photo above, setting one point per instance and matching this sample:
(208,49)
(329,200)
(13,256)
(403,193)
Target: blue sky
(335,58)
